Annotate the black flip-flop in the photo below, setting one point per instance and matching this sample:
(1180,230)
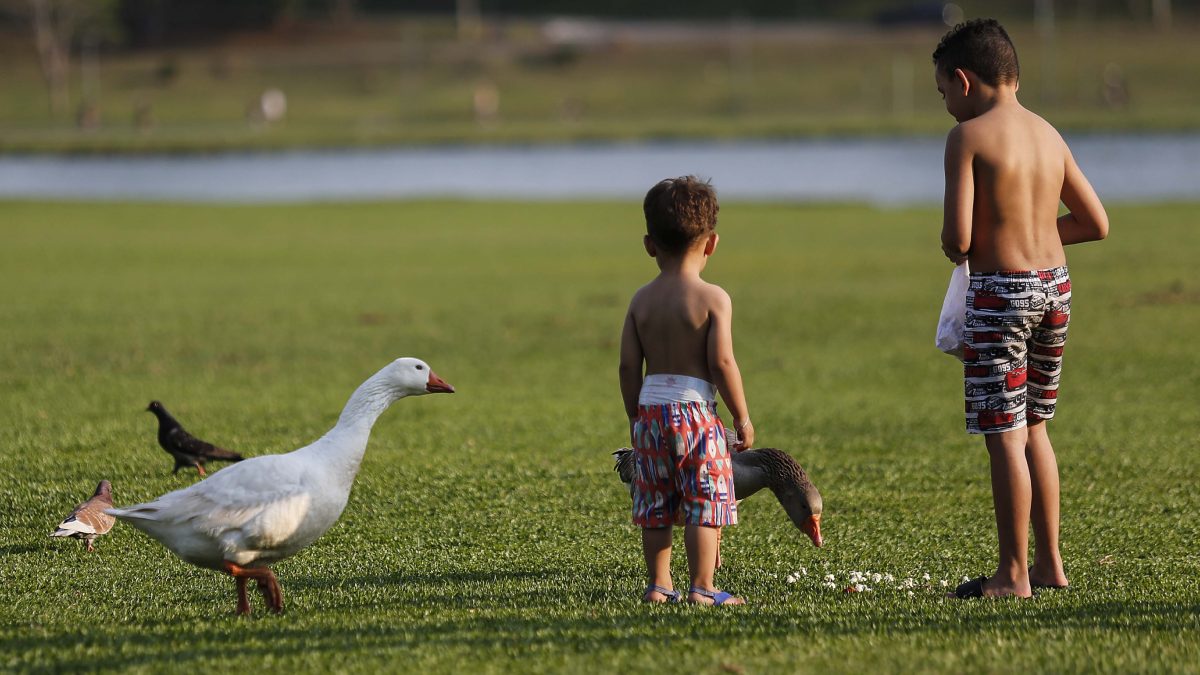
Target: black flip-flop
(970,589)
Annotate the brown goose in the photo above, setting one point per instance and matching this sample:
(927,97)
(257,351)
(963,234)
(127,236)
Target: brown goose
(761,468)
(89,520)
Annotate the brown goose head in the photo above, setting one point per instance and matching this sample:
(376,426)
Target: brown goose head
(777,471)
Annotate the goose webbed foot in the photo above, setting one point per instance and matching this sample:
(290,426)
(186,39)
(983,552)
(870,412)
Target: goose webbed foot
(268,585)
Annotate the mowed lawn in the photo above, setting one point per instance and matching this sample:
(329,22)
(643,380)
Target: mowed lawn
(487,531)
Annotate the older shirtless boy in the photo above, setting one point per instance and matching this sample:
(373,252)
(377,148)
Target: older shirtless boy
(1007,170)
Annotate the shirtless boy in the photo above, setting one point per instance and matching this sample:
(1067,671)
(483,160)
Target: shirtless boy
(1006,172)
(678,327)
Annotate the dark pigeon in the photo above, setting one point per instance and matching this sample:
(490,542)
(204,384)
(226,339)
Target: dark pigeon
(184,447)
(89,520)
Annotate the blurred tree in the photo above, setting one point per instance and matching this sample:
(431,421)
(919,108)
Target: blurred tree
(57,26)
(152,23)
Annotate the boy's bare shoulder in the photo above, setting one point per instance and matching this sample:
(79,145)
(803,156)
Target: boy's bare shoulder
(640,295)
(996,128)
(972,133)
(715,296)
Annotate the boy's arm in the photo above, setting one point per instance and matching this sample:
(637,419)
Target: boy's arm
(723,366)
(960,198)
(630,369)
(1086,219)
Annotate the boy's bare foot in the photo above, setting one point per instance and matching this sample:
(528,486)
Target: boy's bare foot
(1049,578)
(702,596)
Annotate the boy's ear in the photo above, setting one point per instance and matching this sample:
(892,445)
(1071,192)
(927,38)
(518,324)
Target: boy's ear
(711,244)
(960,79)
(651,249)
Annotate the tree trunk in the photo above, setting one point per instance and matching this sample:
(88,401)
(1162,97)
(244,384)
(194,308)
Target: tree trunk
(53,53)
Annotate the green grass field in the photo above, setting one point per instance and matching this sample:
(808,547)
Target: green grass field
(487,531)
(408,81)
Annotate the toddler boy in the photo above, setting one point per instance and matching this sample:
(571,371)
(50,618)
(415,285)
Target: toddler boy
(678,327)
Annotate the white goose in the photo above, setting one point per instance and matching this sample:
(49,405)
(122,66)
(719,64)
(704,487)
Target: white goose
(265,509)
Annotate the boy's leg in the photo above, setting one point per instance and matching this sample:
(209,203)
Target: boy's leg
(1047,567)
(701,543)
(656,546)
(1011,497)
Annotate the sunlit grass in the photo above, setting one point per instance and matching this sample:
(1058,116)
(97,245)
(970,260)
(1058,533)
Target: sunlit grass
(487,531)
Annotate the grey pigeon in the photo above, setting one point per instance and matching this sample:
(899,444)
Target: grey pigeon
(89,520)
(184,447)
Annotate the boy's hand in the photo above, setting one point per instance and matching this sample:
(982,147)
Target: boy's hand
(745,435)
(954,256)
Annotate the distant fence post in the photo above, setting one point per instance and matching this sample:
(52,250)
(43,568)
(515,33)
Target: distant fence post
(902,86)
(1044,20)
(1160,11)
(741,64)
(468,20)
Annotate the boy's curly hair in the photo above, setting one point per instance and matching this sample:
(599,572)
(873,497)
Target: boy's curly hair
(680,211)
(981,46)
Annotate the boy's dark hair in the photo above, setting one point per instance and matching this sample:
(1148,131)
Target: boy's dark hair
(680,211)
(981,46)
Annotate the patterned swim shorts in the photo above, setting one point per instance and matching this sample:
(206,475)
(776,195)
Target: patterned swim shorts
(1016,326)
(683,472)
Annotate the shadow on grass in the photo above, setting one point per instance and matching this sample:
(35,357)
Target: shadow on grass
(460,589)
(18,549)
(622,626)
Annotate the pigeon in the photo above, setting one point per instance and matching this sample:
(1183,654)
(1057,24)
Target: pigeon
(184,447)
(89,520)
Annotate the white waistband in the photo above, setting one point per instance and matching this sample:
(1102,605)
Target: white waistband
(661,389)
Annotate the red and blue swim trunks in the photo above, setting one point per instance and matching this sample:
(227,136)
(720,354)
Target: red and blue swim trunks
(683,473)
(1016,327)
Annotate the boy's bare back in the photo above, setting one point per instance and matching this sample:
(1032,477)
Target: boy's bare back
(1017,163)
(675,318)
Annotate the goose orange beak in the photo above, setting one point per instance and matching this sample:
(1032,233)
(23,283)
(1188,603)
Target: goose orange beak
(437,385)
(812,527)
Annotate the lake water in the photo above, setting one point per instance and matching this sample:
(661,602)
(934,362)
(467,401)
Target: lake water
(1142,168)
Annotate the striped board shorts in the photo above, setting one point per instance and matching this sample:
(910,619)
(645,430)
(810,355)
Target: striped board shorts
(683,473)
(1016,326)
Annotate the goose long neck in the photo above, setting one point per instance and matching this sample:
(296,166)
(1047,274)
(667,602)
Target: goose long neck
(345,444)
(366,404)
(748,477)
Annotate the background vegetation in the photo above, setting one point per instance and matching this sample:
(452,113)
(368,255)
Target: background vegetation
(387,80)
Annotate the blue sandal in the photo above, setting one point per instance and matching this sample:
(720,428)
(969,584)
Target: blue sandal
(718,597)
(672,596)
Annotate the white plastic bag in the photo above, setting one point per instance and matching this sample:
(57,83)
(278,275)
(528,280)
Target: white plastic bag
(950,331)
